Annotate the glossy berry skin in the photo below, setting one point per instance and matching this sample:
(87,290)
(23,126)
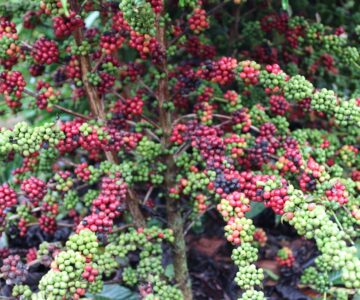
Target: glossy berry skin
(64,26)
(12,85)
(45,51)
(35,189)
(198,21)
(278,105)
(249,72)
(8,197)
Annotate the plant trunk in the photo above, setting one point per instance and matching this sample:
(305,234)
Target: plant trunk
(174,216)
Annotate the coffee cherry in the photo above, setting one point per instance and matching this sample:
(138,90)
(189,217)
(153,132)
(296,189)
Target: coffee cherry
(119,23)
(9,44)
(84,242)
(198,21)
(106,263)
(278,105)
(31,255)
(64,26)
(297,88)
(47,96)
(197,49)
(239,230)
(22,291)
(249,276)
(337,193)
(90,273)
(129,276)
(248,72)
(53,7)
(45,51)
(320,281)
(12,85)
(96,287)
(235,205)
(111,42)
(324,101)
(157,5)
(347,113)
(139,15)
(285,257)
(244,254)
(252,295)
(272,79)
(260,237)
(35,189)
(70,199)
(47,223)
(8,198)
(220,71)
(13,270)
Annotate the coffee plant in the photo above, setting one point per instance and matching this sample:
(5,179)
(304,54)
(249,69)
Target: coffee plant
(132,130)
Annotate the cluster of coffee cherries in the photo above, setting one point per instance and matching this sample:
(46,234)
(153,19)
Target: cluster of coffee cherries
(107,206)
(159,289)
(9,43)
(139,15)
(45,51)
(302,34)
(149,268)
(22,291)
(27,140)
(8,199)
(285,257)
(320,281)
(12,84)
(47,96)
(71,271)
(198,21)
(14,271)
(313,221)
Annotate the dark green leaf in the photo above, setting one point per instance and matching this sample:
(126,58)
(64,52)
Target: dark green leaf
(114,292)
(256,208)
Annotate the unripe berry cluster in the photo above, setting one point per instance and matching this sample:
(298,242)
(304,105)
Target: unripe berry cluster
(297,88)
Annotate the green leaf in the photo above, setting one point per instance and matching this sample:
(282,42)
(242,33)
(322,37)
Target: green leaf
(335,278)
(285,4)
(256,208)
(271,274)
(169,271)
(65,7)
(114,292)
(357,245)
